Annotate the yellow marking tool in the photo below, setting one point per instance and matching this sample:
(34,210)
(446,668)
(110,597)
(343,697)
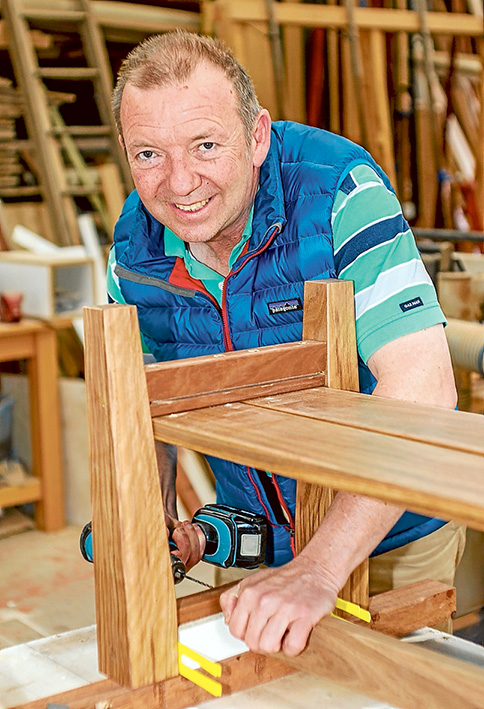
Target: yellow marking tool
(213,668)
(353,609)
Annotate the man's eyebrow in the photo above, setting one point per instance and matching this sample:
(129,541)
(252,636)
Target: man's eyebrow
(206,134)
(138,144)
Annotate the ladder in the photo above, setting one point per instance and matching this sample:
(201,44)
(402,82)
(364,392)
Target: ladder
(65,175)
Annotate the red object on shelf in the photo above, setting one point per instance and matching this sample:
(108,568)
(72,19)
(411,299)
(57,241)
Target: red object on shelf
(11,306)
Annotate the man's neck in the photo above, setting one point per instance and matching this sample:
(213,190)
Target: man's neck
(216,256)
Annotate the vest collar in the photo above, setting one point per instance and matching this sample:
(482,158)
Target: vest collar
(269,207)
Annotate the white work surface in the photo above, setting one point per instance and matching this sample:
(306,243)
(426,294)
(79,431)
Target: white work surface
(44,667)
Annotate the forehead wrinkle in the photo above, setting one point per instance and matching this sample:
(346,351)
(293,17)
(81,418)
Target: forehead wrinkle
(211,120)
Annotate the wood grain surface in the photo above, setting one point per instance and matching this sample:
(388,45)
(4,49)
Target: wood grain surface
(135,596)
(184,384)
(402,674)
(416,422)
(329,318)
(423,477)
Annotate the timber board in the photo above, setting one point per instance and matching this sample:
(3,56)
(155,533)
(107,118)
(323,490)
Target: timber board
(464,431)
(421,476)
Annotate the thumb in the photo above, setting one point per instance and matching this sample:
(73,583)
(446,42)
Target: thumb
(228,601)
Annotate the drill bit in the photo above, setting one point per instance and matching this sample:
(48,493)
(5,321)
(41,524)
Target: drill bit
(202,583)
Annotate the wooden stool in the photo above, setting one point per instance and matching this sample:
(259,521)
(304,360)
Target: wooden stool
(35,342)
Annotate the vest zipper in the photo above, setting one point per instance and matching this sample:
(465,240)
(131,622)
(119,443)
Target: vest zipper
(275,502)
(284,510)
(225,323)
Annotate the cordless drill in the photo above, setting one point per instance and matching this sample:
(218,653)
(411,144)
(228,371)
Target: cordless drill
(233,538)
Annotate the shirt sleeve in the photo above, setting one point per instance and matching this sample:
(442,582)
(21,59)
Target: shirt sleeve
(112,281)
(375,248)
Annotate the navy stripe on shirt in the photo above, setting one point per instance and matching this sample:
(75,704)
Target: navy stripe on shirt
(373,235)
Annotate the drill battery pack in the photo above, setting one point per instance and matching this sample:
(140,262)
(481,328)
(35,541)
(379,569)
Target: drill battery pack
(234,537)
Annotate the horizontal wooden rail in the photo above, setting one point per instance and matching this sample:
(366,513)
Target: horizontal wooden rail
(384,19)
(238,673)
(182,385)
(121,15)
(407,676)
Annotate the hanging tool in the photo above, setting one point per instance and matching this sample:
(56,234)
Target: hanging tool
(234,538)
(403,116)
(437,101)
(357,70)
(277,58)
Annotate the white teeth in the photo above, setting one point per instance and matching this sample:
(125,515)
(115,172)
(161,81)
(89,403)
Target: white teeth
(192,207)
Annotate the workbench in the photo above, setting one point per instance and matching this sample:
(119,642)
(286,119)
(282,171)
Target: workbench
(35,342)
(61,663)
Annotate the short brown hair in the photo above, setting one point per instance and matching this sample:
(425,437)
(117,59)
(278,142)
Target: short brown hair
(165,59)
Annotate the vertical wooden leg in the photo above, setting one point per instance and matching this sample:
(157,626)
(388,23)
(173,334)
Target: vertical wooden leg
(46,430)
(329,317)
(135,596)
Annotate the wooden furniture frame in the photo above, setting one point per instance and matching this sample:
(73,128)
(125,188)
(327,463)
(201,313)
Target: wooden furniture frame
(403,453)
(35,342)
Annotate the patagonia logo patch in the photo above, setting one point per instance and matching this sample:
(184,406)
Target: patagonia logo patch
(284,306)
(411,304)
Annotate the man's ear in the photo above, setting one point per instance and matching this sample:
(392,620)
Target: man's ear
(121,142)
(261,137)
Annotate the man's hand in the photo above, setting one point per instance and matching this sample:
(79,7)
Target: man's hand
(277,608)
(189,539)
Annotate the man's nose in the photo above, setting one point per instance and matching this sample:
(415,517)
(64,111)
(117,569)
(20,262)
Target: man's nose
(183,177)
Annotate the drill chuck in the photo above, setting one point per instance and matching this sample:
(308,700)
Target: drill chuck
(85,544)
(177,566)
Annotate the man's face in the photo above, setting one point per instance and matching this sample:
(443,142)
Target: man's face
(189,157)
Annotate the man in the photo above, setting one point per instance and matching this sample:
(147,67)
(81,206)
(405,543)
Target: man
(231,215)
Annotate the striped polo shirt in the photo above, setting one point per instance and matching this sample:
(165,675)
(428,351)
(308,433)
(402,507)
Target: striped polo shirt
(375,248)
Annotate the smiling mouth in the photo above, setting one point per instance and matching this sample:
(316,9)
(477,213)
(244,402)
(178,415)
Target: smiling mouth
(192,207)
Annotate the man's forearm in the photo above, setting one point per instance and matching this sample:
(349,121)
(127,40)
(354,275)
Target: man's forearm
(354,525)
(351,529)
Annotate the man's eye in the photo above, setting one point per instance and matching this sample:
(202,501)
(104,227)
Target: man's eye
(207,146)
(146,155)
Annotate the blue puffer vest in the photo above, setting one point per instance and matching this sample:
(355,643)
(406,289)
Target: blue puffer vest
(291,243)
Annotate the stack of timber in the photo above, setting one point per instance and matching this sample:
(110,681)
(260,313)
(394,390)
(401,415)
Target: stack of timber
(18,174)
(11,107)
(404,79)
